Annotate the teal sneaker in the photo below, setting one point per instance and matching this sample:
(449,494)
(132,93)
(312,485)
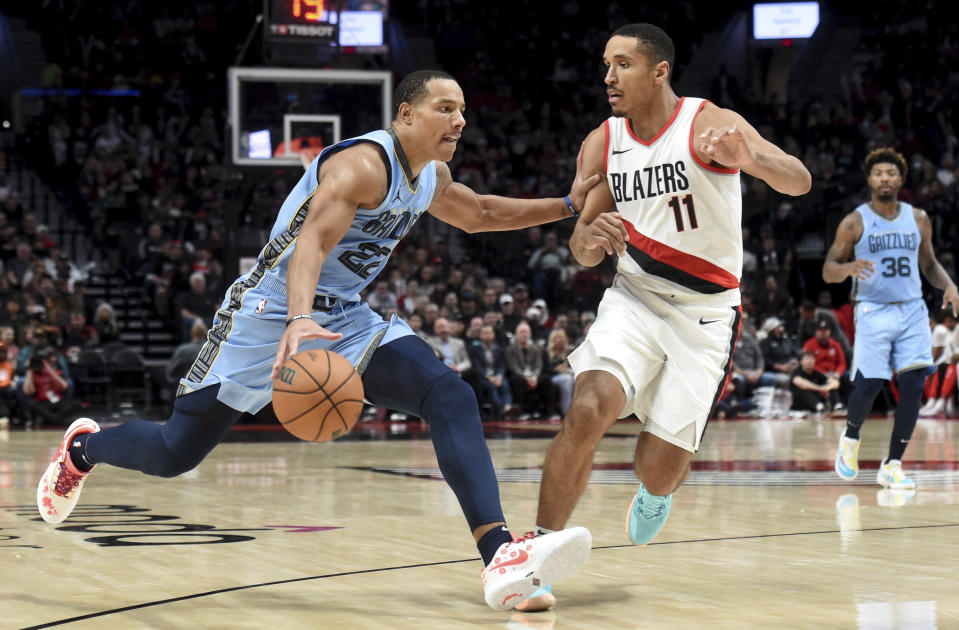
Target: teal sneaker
(646,516)
(540,600)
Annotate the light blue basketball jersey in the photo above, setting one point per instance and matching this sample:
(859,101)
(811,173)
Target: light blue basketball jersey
(893,246)
(362,253)
(242,343)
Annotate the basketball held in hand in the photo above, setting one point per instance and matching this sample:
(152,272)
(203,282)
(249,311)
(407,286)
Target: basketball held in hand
(317,395)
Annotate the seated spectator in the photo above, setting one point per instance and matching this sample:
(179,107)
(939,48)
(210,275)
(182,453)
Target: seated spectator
(830,358)
(431,313)
(468,307)
(472,334)
(524,364)
(78,334)
(415,320)
(810,320)
(44,393)
(196,305)
(449,349)
(750,367)
(381,298)
(507,307)
(17,267)
(844,315)
(773,301)
(557,368)
(811,389)
(547,266)
(39,341)
(185,354)
(106,325)
(941,384)
(8,339)
(8,393)
(779,351)
(489,363)
(14,318)
(488,300)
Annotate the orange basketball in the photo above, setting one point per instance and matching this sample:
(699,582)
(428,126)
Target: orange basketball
(317,395)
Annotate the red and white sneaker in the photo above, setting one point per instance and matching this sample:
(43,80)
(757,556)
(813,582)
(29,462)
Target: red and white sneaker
(521,567)
(60,484)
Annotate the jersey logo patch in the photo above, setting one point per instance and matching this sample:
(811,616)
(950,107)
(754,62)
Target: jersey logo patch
(397,197)
(615,152)
(260,307)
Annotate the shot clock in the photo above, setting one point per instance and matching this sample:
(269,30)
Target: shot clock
(305,20)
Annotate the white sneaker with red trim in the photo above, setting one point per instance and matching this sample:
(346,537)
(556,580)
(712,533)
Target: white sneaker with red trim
(60,484)
(521,567)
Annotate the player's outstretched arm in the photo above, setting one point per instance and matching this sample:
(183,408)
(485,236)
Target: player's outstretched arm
(461,206)
(836,269)
(724,137)
(931,267)
(599,230)
(354,177)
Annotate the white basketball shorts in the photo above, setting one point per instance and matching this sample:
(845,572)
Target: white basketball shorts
(672,353)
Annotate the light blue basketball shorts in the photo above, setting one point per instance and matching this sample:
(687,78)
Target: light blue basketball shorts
(241,346)
(892,338)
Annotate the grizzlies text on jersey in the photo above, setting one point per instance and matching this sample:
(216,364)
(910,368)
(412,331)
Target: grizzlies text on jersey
(893,247)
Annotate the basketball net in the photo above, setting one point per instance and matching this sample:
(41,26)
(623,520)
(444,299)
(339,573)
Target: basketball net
(309,154)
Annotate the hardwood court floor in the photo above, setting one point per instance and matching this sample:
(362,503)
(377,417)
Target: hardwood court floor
(364,534)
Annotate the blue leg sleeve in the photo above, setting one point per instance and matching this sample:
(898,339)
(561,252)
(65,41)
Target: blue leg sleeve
(907,411)
(406,375)
(860,401)
(199,422)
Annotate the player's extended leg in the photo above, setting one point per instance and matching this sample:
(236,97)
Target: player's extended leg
(406,375)
(861,400)
(661,468)
(890,473)
(199,422)
(598,398)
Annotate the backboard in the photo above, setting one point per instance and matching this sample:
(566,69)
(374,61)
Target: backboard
(282,116)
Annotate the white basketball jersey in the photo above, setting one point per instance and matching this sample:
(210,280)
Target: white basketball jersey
(683,216)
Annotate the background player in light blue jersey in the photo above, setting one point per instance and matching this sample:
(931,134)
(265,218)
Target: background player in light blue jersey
(334,233)
(890,242)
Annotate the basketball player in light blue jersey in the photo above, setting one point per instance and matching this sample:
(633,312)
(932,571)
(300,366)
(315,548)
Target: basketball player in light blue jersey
(333,235)
(890,242)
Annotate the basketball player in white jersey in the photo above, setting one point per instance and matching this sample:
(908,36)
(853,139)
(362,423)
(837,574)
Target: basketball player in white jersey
(661,346)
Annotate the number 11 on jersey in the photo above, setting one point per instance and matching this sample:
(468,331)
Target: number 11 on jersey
(690,210)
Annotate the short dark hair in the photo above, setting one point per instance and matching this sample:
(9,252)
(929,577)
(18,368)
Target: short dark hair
(809,353)
(413,87)
(652,41)
(885,155)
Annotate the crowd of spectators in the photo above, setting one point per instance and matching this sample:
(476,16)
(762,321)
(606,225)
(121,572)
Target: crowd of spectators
(146,175)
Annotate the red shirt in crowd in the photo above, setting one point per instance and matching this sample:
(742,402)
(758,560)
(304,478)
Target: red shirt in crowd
(829,358)
(48,388)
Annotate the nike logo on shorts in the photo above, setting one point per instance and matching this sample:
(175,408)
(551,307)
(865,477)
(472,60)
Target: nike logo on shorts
(703,322)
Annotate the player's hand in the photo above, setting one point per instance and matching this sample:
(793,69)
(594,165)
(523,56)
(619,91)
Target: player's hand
(727,146)
(861,269)
(297,332)
(608,232)
(951,297)
(577,192)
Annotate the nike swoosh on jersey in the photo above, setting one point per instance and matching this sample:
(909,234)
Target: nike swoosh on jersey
(615,152)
